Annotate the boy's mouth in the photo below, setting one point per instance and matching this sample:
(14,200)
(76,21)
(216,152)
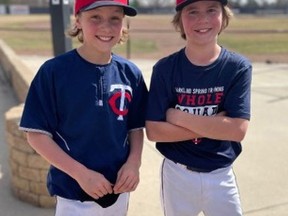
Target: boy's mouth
(203,30)
(104,38)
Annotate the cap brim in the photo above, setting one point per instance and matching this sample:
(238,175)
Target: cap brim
(181,6)
(128,10)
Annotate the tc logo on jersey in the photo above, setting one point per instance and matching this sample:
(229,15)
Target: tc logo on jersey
(120,99)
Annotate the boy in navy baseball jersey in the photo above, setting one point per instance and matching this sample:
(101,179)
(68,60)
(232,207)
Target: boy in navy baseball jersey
(198,113)
(85,113)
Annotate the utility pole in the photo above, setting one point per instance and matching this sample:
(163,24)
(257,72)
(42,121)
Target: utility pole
(60,12)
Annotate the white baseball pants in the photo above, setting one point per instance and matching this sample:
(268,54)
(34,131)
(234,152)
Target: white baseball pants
(187,193)
(69,207)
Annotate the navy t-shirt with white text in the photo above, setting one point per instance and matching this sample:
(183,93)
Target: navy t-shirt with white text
(201,90)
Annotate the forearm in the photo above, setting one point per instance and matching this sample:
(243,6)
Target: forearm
(136,139)
(129,176)
(51,152)
(213,127)
(166,132)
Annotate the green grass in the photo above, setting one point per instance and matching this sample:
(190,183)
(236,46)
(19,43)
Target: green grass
(137,46)
(26,40)
(250,43)
(261,35)
(249,35)
(259,23)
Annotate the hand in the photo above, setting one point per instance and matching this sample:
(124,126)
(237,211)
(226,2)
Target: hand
(128,178)
(94,184)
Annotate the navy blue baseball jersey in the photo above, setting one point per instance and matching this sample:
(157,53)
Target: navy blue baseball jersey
(201,90)
(88,110)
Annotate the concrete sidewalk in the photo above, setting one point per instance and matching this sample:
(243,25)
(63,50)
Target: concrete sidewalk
(261,170)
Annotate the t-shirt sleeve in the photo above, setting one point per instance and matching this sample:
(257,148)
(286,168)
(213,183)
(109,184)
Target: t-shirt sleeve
(238,97)
(39,114)
(137,110)
(160,95)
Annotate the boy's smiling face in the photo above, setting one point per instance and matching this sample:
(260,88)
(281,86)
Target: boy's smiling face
(102,27)
(202,21)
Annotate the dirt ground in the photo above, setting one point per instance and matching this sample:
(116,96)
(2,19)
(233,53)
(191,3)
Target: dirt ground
(161,32)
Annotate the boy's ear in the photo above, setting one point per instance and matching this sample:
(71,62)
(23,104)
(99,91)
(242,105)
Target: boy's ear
(77,22)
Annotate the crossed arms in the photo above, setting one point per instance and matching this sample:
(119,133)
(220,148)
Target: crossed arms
(181,126)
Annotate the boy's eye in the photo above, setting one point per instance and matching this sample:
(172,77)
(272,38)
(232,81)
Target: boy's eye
(212,10)
(115,19)
(96,18)
(192,12)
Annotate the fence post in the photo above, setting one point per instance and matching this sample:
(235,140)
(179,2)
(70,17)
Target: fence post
(60,12)
(128,45)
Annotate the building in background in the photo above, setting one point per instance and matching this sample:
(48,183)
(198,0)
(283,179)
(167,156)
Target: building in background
(34,3)
(259,7)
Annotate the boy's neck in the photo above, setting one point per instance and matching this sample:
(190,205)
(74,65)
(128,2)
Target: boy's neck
(204,56)
(95,57)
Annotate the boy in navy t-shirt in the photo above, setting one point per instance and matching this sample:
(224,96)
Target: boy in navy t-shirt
(198,113)
(85,114)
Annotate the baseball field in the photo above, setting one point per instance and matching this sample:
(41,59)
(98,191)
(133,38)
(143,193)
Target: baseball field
(260,38)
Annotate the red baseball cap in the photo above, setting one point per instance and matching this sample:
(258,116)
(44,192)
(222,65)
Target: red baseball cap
(180,4)
(85,5)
